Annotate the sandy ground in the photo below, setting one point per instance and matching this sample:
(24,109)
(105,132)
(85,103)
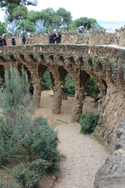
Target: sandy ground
(66,110)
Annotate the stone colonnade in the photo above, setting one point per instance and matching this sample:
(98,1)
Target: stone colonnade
(105,64)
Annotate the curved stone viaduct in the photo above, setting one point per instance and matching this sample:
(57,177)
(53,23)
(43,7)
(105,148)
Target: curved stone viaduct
(105,64)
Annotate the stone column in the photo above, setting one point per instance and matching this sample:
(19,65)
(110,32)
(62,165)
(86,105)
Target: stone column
(57,76)
(57,100)
(78,104)
(81,78)
(37,93)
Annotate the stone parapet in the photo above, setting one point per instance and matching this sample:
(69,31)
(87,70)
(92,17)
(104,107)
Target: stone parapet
(98,37)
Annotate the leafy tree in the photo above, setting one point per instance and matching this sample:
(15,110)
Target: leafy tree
(2,27)
(27,25)
(87,23)
(81,21)
(33,16)
(72,27)
(9,5)
(117,30)
(19,13)
(65,15)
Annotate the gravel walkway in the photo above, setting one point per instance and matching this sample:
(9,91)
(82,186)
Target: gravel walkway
(84,157)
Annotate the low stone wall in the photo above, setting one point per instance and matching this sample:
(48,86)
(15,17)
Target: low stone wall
(122,37)
(112,173)
(97,37)
(102,37)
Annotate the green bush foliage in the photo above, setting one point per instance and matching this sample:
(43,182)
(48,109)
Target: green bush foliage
(21,135)
(16,115)
(69,87)
(88,122)
(10,184)
(92,88)
(46,85)
(41,143)
(29,175)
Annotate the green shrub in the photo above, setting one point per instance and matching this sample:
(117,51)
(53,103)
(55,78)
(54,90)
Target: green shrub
(16,115)
(9,184)
(46,85)
(92,88)
(41,142)
(88,122)
(29,175)
(19,174)
(20,135)
(69,87)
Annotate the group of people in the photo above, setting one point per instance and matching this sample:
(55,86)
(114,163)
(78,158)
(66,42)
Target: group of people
(3,41)
(55,37)
(13,41)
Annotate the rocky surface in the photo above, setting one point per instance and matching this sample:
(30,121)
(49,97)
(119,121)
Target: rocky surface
(112,173)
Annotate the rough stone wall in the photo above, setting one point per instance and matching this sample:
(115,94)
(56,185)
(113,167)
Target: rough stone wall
(83,38)
(102,37)
(92,38)
(122,36)
(112,173)
(42,39)
(17,38)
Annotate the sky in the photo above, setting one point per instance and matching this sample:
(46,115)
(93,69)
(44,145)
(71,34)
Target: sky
(98,9)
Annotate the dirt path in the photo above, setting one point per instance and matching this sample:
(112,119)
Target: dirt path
(66,109)
(84,155)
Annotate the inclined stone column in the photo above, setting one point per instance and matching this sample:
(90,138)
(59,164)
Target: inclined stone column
(81,78)
(78,104)
(36,81)
(57,100)
(58,82)
(37,93)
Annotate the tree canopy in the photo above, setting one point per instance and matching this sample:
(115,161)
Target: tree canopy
(50,19)
(19,13)
(9,5)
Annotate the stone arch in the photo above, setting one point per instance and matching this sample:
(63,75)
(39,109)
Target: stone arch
(90,62)
(99,65)
(12,58)
(42,59)
(61,60)
(51,59)
(41,70)
(105,86)
(32,58)
(79,62)
(22,57)
(62,73)
(2,59)
(19,67)
(71,61)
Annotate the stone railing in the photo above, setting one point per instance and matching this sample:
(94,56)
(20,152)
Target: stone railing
(93,37)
